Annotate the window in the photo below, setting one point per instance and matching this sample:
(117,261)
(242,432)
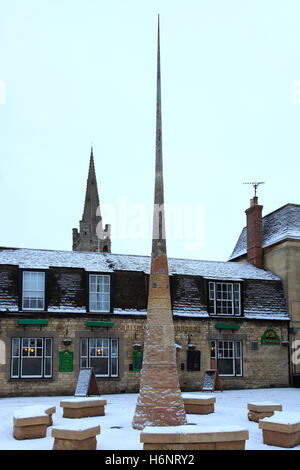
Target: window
(228,357)
(31,357)
(225,298)
(99,293)
(101,354)
(33,290)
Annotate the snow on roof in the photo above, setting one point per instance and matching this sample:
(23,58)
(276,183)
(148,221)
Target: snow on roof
(277,226)
(267,316)
(43,259)
(129,311)
(108,262)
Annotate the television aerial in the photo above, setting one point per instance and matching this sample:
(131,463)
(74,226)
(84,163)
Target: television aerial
(255,185)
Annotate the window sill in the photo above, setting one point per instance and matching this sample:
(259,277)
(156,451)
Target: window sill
(101,377)
(33,309)
(223,315)
(26,379)
(107,312)
(231,376)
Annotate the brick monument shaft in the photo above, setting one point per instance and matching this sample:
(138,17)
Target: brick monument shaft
(159,402)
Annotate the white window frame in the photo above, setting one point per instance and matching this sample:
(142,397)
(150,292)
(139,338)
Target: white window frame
(101,289)
(88,345)
(15,358)
(42,292)
(19,342)
(224,297)
(237,349)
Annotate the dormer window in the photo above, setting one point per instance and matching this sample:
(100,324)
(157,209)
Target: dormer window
(99,293)
(33,290)
(225,298)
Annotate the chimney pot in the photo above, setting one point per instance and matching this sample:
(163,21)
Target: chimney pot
(254,201)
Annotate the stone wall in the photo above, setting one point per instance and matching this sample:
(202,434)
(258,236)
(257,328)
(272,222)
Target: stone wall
(284,260)
(265,367)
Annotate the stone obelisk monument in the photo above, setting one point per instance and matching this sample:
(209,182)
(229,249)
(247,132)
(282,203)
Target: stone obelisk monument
(159,402)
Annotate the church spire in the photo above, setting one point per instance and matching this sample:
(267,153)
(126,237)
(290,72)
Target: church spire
(159,401)
(91,197)
(91,236)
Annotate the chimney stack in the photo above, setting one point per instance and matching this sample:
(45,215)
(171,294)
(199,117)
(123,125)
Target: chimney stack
(254,233)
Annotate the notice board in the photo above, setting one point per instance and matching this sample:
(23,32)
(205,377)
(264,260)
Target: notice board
(86,383)
(65,361)
(212,381)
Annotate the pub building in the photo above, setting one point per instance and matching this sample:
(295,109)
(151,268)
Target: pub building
(65,310)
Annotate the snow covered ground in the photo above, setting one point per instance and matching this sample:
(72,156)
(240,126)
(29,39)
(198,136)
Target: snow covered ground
(117,433)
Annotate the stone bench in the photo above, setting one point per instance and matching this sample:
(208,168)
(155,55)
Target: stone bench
(193,438)
(83,407)
(31,422)
(75,436)
(201,405)
(281,429)
(262,410)
(50,411)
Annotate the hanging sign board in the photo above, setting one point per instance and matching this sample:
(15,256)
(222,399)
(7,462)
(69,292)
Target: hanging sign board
(212,381)
(86,384)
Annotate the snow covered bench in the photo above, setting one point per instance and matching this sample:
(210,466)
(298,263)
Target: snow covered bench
(75,436)
(50,411)
(31,422)
(193,438)
(262,410)
(201,405)
(82,407)
(281,429)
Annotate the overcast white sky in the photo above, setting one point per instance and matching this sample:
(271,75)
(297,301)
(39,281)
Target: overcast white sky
(74,72)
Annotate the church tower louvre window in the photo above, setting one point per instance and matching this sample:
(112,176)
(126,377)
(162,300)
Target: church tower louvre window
(91,235)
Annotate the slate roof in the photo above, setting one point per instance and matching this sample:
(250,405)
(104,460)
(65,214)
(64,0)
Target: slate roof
(263,291)
(108,262)
(282,224)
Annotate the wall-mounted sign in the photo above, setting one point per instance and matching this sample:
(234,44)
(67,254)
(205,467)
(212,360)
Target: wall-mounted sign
(270,337)
(137,360)
(227,326)
(65,361)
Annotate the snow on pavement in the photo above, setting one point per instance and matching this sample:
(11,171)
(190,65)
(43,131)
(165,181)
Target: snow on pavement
(118,434)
